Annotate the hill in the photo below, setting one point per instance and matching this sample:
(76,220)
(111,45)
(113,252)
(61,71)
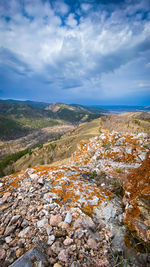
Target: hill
(72,113)
(10,129)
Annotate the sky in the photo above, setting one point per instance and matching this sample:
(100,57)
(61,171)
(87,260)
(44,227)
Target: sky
(87,52)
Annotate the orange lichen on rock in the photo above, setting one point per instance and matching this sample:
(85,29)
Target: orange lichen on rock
(137,200)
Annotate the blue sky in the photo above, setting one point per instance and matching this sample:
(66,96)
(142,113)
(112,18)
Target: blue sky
(87,52)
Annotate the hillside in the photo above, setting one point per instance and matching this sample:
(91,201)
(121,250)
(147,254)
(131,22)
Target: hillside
(72,214)
(10,129)
(73,113)
(131,122)
(51,151)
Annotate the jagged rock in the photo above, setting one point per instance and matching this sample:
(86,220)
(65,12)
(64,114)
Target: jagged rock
(137,201)
(14,219)
(68,218)
(51,239)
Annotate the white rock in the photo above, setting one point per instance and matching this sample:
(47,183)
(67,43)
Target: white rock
(49,229)
(1,184)
(51,239)
(34,176)
(68,218)
(42,223)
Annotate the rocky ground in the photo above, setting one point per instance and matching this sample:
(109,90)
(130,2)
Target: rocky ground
(73,215)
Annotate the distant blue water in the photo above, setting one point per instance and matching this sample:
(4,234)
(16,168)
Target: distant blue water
(122,109)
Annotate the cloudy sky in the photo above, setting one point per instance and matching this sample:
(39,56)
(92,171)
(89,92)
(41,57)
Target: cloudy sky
(73,51)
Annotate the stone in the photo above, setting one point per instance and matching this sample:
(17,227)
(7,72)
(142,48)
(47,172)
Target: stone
(9,230)
(92,243)
(57,265)
(6,196)
(8,239)
(68,218)
(42,223)
(1,184)
(55,219)
(49,229)
(34,176)
(63,225)
(63,255)
(51,240)
(19,252)
(24,232)
(2,254)
(41,181)
(56,247)
(14,219)
(68,241)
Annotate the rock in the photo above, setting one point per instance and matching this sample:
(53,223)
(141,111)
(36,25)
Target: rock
(2,254)
(25,223)
(41,181)
(19,252)
(92,243)
(88,223)
(48,230)
(26,260)
(137,201)
(8,239)
(6,196)
(47,197)
(68,241)
(14,219)
(51,240)
(63,255)
(68,218)
(57,265)
(55,220)
(56,247)
(34,176)
(42,223)
(60,233)
(9,230)
(118,239)
(1,184)
(63,225)
(24,232)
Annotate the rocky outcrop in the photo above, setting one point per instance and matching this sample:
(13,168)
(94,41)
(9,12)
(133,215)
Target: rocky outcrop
(77,220)
(137,201)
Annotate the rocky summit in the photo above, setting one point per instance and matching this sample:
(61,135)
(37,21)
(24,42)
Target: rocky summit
(80,214)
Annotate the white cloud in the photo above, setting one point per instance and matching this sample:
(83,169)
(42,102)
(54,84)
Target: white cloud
(81,56)
(71,21)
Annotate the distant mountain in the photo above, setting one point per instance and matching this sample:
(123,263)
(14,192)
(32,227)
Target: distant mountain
(16,110)
(36,104)
(72,113)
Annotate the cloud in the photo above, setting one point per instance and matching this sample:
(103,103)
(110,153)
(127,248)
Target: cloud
(62,48)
